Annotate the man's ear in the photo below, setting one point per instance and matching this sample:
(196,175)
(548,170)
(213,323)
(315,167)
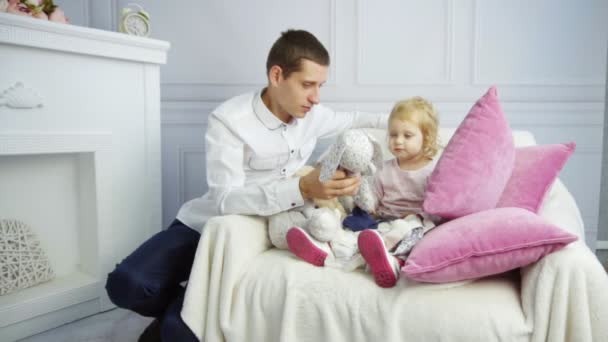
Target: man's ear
(275,75)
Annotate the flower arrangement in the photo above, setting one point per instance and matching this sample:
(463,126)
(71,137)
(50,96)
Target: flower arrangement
(41,9)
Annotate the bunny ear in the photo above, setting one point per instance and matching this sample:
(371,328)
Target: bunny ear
(329,165)
(371,169)
(377,156)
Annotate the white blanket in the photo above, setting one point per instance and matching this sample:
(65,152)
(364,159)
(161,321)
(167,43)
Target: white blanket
(565,294)
(242,290)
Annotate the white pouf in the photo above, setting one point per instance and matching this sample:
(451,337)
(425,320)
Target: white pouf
(23,263)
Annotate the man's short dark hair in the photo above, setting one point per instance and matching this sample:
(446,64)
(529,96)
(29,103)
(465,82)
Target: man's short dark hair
(293,46)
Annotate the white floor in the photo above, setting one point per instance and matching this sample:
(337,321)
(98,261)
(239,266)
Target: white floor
(116,325)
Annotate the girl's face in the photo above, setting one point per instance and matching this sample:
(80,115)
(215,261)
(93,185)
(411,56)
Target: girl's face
(405,140)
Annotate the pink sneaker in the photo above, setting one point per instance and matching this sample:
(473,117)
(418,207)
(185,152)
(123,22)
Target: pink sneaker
(301,244)
(375,254)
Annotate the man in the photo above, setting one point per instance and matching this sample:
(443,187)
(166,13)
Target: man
(254,144)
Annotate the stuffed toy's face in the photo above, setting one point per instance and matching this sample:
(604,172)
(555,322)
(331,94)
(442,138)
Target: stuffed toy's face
(354,151)
(358,158)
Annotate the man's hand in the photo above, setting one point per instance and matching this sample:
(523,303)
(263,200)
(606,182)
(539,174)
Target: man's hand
(339,185)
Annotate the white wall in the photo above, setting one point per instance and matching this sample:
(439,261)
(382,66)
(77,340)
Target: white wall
(548,59)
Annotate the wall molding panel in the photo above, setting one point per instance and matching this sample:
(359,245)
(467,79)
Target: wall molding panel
(269,29)
(187,153)
(448,42)
(522,73)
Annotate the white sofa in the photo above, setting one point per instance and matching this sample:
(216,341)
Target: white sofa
(242,289)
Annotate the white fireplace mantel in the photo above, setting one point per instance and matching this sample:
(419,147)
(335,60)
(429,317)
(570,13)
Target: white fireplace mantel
(79,159)
(26,31)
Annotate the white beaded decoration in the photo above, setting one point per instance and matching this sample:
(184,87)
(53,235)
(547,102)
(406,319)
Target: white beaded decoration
(23,263)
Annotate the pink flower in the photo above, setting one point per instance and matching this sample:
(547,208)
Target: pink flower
(41,9)
(16,7)
(58,16)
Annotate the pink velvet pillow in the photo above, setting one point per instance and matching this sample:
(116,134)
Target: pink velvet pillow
(476,164)
(481,244)
(535,170)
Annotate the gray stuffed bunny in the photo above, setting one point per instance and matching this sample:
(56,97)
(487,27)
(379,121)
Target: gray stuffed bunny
(356,152)
(320,217)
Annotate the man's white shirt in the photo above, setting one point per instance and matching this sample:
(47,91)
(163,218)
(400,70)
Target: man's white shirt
(251,157)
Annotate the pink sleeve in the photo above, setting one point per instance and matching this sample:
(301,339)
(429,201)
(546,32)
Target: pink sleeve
(378,186)
(428,175)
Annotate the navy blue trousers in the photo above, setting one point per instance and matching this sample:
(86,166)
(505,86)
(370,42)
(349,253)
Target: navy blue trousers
(148,280)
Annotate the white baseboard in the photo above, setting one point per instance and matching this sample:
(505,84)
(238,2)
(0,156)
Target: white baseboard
(601,244)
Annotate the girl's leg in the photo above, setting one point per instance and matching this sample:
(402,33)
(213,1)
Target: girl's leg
(383,266)
(305,247)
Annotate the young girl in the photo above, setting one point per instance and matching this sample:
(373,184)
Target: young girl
(400,188)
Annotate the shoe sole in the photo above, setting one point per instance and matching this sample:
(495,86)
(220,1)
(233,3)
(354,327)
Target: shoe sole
(301,245)
(373,251)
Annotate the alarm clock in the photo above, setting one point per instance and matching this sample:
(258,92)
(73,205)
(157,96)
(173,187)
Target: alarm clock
(135,21)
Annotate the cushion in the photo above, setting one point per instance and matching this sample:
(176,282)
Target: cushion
(534,171)
(476,164)
(484,243)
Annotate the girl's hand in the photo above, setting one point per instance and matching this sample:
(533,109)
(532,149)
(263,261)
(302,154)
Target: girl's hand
(408,213)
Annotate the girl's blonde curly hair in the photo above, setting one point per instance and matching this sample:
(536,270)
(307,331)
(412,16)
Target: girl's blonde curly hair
(421,112)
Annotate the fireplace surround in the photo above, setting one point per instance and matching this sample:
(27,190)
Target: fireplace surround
(79,159)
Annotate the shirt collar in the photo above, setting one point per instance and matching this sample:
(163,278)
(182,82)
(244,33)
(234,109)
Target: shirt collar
(265,115)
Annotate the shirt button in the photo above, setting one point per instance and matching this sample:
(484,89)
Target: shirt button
(292,151)
(283,171)
(293,204)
